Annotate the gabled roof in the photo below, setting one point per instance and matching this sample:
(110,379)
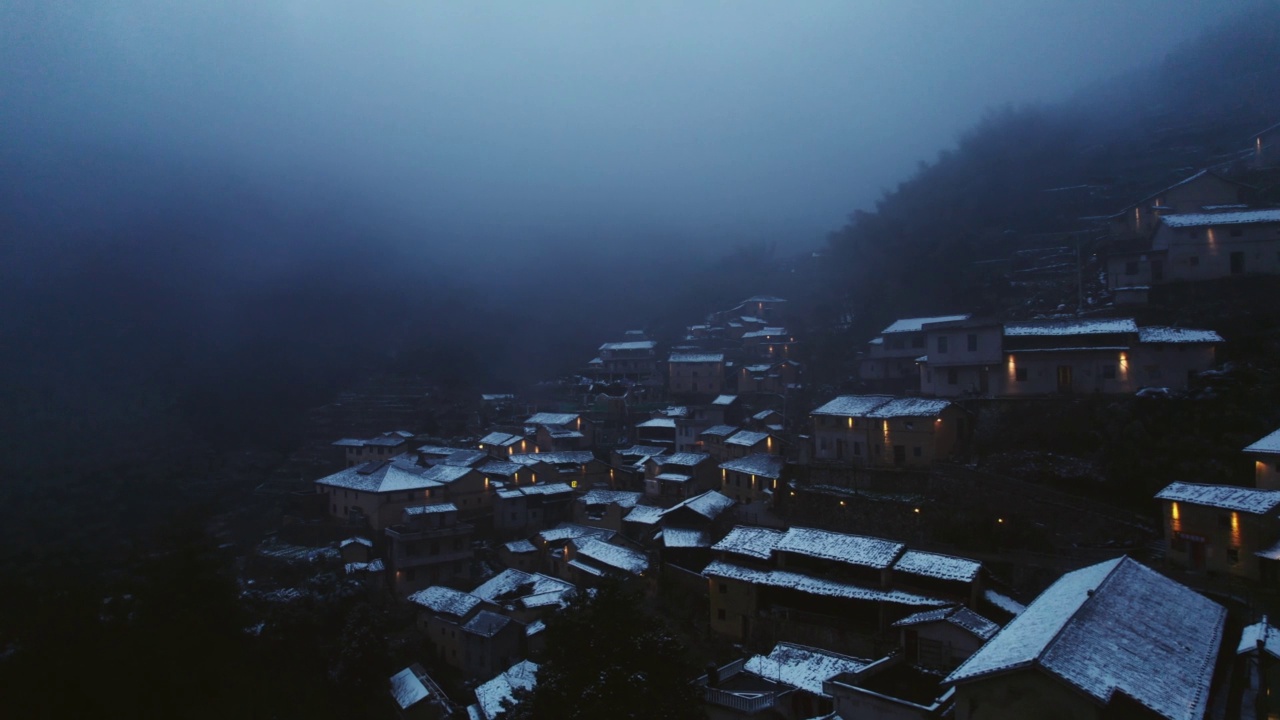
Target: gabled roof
(1226,497)
(1242,217)
(542,489)
(722,431)
(564,457)
(407,688)
(418,510)
(684,459)
(769,466)
(383,476)
(486,623)
(621,498)
(855,550)
(1078,326)
(937,566)
(664,422)
(753,542)
(500,468)
(644,514)
(1259,631)
(1114,627)
(1269,445)
(465,458)
(544,418)
(511,585)
(629,345)
(909,407)
(917,324)
(817,586)
(494,694)
(803,667)
(445,601)
(723,400)
(852,405)
(747,438)
(1159,334)
(500,438)
(958,615)
(640,451)
(570,531)
(613,556)
(709,505)
(674,537)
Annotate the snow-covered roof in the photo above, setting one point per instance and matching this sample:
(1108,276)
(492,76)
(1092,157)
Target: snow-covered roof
(464,458)
(374,566)
(1226,497)
(909,407)
(382,476)
(640,451)
(725,400)
(939,567)
(664,422)
(1114,627)
(673,537)
(570,531)
(1078,326)
(696,357)
(747,438)
(511,584)
(500,467)
(769,466)
(445,601)
(763,299)
(614,556)
(544,418)
(917,324)
(764,414)
(520,546)
(719,431)
(563,457)
(644,514)
(500,438)
(621,498)
(817,586)
(545,489)
(686,459)
(1263,631)
(1269,445)
(357,540)
(486,623)
(673,477)
(958,615)
(407,688)
(630,345)
(1004,602)
(753,542)
(416,510)
(856,550)
(803,667)
(1242,217)
(497,397)
(1157,334)
(852,405)
(709,504)
(491,696)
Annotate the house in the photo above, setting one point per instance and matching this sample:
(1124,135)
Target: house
(686,530)
(525,596)
(429,546)
(356,549)
(374,493)
(963,358)
(751,442)
(501,445)
(787,683)
(1265,454)
(753,478)
(891,687)
(1170,357)
(388,444)
(627,465)
(578,468)
(712,441)
(555,432)
(464,634)
(1258,661)
(1222,243)
(495,696)
(1114,639)
(766,307)
(890,361)
(520,555)
(634,360)
(416,695)
(1186,196)
(588,559)
(522,510)
(772,344)
(657,432)
(833,588)
(678,476)
(604,508)
(887,432)
(942,639)
(770,378)
(1222,529)
(692,374)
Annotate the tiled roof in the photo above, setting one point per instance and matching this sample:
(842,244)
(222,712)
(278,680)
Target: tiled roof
(747,438)
(1226,497)
(614,556)
(445,601)
(709,505)
(852,405)
(1106,326)
(916,324)
(1269,445)
(856,550)
(760,464)
(621,498)
(939,567)
(696,357)
(493,696)
(1114,627)
(817,586)
(1157,334)
(909,407)
(958,615)
(803,667)
(754,542)
(382,476)
(551,419)
(1224,218)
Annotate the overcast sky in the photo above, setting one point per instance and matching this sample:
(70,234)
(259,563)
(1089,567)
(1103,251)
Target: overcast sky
(535,121)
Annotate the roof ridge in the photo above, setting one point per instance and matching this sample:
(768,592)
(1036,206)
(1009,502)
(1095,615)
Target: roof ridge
(1089,596)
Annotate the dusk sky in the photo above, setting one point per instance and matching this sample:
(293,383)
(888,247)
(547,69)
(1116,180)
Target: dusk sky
(565,123)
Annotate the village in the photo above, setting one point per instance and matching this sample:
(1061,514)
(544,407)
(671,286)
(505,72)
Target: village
(811,535)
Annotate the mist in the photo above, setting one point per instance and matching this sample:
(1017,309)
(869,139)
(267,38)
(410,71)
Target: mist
(237,208)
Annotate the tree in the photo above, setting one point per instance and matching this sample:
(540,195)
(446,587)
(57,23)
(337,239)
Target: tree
(609,656)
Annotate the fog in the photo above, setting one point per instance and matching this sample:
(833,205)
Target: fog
(240,194)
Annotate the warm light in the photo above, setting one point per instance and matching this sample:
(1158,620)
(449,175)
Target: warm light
(1174,512)
(793,493)
(573,483)
(1235,529)
(916,511)
(841,503)
(850,422)
(999,520)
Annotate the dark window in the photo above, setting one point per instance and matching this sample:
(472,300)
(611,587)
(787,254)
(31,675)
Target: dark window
(973,342)
(896,344)
(720,614)
(1108,372)
(942,344)
(1131,267)
(1224,521)
(953,376)
(857,448)
(1233,555)
(1020,374)
(917,341)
